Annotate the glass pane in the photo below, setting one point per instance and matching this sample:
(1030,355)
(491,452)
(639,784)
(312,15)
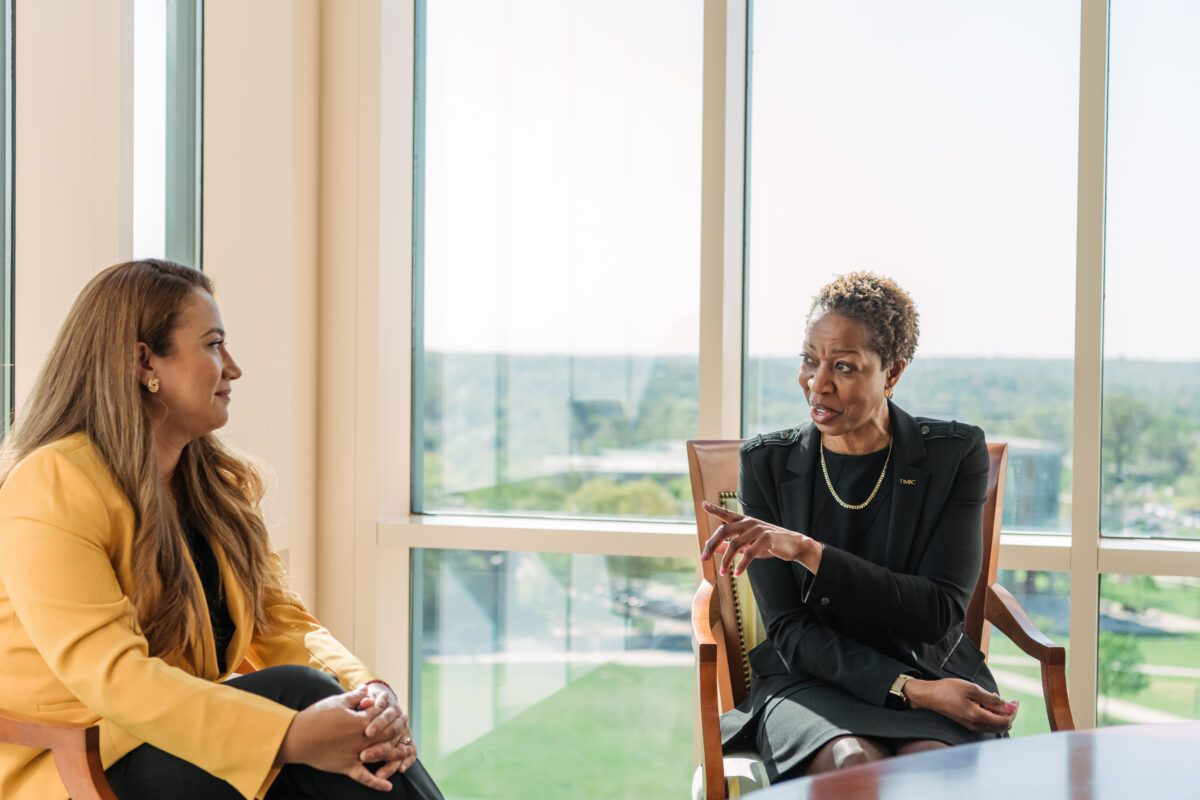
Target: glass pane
(936,143)
(553,675)
(1151,451)
(167,99)
(557,228)
(1046,597)
(1149,649)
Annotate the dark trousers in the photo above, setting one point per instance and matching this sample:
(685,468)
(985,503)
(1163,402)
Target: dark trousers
(146,772)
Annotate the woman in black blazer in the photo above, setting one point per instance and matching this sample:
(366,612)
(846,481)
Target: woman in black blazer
(862,535)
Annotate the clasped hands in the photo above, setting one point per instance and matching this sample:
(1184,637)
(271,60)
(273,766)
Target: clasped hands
(345,732)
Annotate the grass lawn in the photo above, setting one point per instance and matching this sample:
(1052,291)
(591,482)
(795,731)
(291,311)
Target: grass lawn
(1176,695)
(1139,592)
(618,731)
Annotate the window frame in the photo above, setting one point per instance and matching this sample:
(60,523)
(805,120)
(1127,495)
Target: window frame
(1083,553)
(7,307)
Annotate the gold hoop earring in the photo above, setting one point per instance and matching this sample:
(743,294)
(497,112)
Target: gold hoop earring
(887,392)
(152,385)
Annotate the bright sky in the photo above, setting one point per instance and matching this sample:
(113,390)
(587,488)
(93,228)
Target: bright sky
(934,141)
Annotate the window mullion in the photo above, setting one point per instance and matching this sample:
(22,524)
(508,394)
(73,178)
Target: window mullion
(722,215)
(1089,329)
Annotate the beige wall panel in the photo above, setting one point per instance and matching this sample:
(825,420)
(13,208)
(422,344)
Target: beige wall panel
(343,566)
(71,163)
(260,155)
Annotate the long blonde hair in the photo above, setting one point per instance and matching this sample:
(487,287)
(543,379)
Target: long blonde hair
(89,383)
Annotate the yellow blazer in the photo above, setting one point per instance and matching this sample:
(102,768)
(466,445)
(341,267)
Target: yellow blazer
(70,650)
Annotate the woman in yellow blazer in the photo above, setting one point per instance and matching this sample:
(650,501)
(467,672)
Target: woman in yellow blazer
(136,576)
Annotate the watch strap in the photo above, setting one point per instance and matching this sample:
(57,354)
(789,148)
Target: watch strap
(896,697)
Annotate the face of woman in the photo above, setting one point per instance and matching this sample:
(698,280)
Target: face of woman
(194,381)
(844,380)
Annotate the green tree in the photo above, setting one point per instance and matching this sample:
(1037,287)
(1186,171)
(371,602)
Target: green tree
(1119,659)
(636,498)
(1123,425)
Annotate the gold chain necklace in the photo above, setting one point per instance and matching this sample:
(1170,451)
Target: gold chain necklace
(832,491)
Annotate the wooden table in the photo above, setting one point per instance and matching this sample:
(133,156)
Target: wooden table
(1129,762)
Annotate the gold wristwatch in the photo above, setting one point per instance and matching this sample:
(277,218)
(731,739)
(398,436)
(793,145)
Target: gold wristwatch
(896,698)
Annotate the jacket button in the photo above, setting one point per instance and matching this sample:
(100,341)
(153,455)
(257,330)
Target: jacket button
(824,601)
(924,430)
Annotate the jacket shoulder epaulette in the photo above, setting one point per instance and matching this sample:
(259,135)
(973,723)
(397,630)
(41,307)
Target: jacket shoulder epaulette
(944,429)
(784,437)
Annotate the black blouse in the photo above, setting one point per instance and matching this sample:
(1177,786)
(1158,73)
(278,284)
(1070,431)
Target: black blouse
(214,593)
(853,477)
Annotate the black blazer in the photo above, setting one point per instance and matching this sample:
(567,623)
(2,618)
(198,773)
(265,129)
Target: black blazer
(906,614)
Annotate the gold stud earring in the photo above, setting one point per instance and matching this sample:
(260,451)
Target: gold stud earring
(887,392)
(152,385)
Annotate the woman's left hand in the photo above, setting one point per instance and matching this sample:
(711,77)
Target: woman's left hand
(968,704)
(385,718)
(753,538)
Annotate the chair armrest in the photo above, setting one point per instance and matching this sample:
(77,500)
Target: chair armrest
(705,645)
(1002,610)
(76,752)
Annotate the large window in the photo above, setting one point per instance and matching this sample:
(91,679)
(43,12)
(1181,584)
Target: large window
(556,293)
(167,98)
(561,275)
(557,256)
(868,150)
(1151,435)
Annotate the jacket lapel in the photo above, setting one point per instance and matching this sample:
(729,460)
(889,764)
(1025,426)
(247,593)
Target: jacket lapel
(796,494)
(909,487)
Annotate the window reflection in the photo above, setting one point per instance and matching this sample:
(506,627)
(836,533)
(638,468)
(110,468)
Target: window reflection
(1148,650)
(1045,596)
(538,669)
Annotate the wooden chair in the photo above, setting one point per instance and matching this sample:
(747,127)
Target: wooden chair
(76,752)
(726,625)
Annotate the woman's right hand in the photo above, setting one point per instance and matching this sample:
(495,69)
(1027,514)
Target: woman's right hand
(330,735)
(966,703)
(752,538)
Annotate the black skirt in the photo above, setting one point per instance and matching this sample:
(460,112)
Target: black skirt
(795,725)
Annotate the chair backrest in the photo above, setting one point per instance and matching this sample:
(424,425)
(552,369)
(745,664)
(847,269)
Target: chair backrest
(713,465)
(974,624)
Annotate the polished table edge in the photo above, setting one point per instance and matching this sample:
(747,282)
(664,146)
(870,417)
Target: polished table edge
(963,767)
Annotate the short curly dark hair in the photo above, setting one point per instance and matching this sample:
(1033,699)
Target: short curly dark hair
(885,310)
